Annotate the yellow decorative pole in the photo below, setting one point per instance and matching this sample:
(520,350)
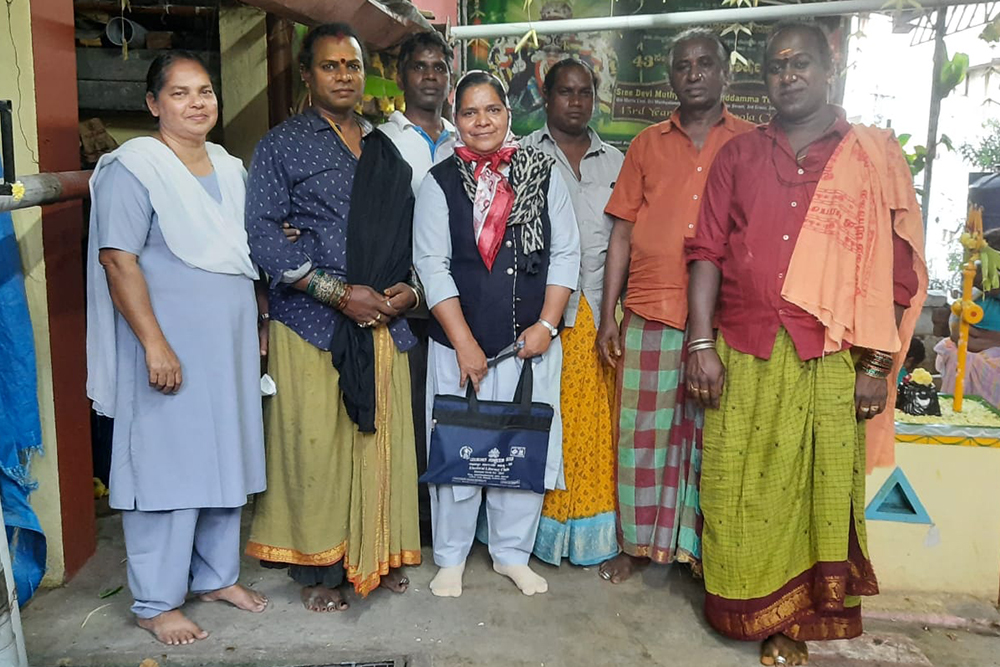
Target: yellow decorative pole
(967,311)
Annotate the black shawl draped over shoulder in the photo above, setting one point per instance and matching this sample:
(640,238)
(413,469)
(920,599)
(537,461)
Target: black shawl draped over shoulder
(379,254)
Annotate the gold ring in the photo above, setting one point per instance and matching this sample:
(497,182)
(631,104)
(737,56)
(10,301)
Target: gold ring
(388,302)
(378,317)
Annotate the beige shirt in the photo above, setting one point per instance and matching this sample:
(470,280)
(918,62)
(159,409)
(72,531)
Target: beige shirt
(598,173)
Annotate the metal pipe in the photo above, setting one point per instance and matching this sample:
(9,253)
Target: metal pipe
(934,116)
(50,188)
(685,19)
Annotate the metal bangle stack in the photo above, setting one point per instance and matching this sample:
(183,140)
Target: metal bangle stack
(329,290)
(876,364)
(699,344)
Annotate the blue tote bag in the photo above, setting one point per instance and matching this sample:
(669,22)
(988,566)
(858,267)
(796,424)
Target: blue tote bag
(490,443)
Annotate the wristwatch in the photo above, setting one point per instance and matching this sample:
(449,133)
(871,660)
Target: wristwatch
(553,332)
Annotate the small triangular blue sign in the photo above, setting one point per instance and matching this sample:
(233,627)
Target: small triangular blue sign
(897,501)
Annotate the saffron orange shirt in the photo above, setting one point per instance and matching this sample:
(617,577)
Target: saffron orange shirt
(659,189)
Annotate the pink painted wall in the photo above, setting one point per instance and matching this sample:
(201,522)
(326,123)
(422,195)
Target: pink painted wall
(443,9)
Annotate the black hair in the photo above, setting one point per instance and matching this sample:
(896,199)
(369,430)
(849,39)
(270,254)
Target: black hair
(553,74)
(695,34)
(338,30)
(423,40)
(917,351)
(478,78)
(159,69)
(818,33)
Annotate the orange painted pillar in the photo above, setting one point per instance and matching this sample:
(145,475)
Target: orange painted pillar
(54,53)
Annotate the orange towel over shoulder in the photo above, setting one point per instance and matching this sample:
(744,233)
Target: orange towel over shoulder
(841,267)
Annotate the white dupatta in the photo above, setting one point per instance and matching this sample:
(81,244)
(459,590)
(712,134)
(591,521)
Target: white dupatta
(202,232)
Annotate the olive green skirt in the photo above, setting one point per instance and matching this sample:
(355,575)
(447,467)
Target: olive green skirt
(334,493)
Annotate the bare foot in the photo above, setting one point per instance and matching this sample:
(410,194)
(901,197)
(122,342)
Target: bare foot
(321,598)
(780,650)
(523,577)
(621,568)
(395,581)
(172,628)
(447,583)
(239,596)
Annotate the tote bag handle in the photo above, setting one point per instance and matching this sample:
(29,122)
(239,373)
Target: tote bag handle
(522,395)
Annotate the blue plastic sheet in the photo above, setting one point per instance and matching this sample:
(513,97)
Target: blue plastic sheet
(20,427)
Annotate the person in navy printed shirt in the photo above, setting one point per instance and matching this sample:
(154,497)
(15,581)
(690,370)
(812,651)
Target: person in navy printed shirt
(342,500)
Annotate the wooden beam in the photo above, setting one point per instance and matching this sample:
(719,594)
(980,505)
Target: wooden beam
(376,24)
(108,82)
(171,9)
(53,49)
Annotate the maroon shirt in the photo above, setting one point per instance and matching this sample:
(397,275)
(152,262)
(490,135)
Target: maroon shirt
(755,202)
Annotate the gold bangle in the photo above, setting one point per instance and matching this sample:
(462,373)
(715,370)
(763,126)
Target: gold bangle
(416,295)
(345,296)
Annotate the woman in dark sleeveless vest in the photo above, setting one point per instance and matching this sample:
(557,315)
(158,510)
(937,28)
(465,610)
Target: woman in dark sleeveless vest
(496,246)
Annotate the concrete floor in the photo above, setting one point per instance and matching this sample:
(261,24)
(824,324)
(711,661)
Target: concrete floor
(655,619)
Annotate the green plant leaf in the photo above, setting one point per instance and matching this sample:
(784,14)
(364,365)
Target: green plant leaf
(984,152)
(378,86)
(953,73)
(991,33)
(990,258)
(108,592)
(903,138)
(945,140)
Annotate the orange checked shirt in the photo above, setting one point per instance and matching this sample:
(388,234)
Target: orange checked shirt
(659,189)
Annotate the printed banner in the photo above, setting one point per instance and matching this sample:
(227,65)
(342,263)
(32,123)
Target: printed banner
(634,90)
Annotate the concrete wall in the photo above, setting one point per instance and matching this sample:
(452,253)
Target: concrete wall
(243,43)
(960,553)
(20,88)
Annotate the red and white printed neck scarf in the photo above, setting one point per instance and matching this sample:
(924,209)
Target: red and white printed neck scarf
(494,196)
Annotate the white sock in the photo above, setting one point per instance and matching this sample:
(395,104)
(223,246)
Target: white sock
(447,583)
(529,582)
